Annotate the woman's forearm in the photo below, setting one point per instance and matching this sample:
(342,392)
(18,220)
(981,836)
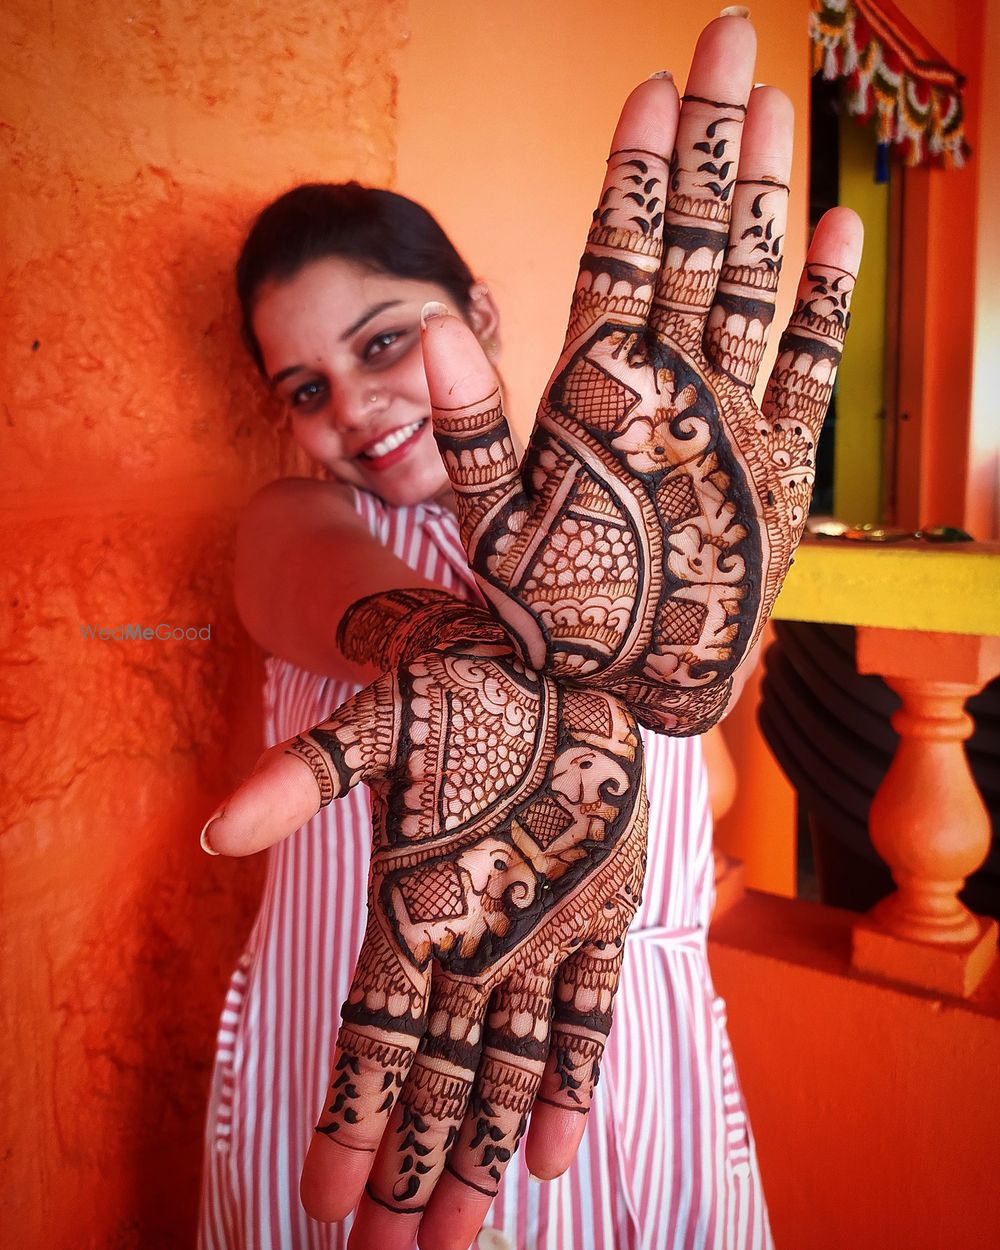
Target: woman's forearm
(303,557)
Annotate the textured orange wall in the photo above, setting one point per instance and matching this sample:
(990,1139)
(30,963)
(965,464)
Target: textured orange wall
(137,139)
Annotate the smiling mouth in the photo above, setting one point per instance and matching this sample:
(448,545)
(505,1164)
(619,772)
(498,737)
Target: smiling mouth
(392,442)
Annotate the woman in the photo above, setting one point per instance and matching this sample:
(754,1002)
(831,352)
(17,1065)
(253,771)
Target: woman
(332,281)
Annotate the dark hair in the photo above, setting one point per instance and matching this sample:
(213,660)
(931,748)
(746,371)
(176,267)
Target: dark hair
(386,231)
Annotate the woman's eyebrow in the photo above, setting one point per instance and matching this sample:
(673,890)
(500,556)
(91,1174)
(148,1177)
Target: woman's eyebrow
(366,317)
(285,373)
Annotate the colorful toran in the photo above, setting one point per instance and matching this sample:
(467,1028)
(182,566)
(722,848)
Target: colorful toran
(891,71)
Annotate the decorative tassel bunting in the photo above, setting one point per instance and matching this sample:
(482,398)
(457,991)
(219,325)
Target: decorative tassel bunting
(892,72)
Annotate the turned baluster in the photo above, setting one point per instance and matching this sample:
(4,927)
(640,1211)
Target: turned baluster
(928,820)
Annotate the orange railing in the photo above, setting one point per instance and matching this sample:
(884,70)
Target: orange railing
(928,622)
(869,1045)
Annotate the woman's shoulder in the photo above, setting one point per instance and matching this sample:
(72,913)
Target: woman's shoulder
(292,504)
(297,496)
(299,506)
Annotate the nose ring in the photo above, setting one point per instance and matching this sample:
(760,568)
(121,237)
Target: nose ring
(372,398)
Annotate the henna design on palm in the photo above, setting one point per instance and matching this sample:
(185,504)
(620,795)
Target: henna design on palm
(509,818)
(641,544)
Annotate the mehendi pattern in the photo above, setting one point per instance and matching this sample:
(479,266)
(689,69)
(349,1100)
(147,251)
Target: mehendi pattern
(508,854)
(640,546)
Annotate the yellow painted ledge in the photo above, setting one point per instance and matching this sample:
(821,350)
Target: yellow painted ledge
(946,588)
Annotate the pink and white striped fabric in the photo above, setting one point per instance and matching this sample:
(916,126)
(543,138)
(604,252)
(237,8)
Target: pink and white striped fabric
(667,1162)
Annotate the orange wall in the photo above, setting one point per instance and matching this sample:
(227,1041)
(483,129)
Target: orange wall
(940,268)
(528,94)
(137,138)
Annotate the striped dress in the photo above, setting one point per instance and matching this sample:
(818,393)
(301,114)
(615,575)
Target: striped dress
(667,1162)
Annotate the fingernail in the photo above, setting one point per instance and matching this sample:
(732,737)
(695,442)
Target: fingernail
(663,73)
(537,1179)
(433,308)
(735,10)
(206,846)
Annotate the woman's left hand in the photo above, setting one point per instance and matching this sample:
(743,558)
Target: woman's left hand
(642,543)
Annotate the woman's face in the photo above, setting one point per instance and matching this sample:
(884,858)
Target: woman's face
(341,347)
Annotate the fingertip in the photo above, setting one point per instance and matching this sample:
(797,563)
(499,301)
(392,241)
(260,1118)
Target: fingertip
(327,1189)
(203,838)
(649,116)
(838,239)
(433,310)
(660,85)
(279,797)
(724,59)
(552,1142)
(458,370)
(227,839)
(766,151)
(777,103)
(843,221)
(735,18)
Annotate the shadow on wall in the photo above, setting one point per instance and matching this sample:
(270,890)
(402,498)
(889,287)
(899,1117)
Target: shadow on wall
(120,934)
(183,918)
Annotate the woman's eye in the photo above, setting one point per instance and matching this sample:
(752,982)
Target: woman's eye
(308,395)
(380,344)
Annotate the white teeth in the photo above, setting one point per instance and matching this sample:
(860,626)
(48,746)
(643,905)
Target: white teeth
(391,441)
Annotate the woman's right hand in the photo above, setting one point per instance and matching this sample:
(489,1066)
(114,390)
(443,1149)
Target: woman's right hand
(509,818)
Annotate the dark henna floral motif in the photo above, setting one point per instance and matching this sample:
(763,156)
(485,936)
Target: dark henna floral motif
(736,332)
(624,246)
(702,178)
(795,403)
